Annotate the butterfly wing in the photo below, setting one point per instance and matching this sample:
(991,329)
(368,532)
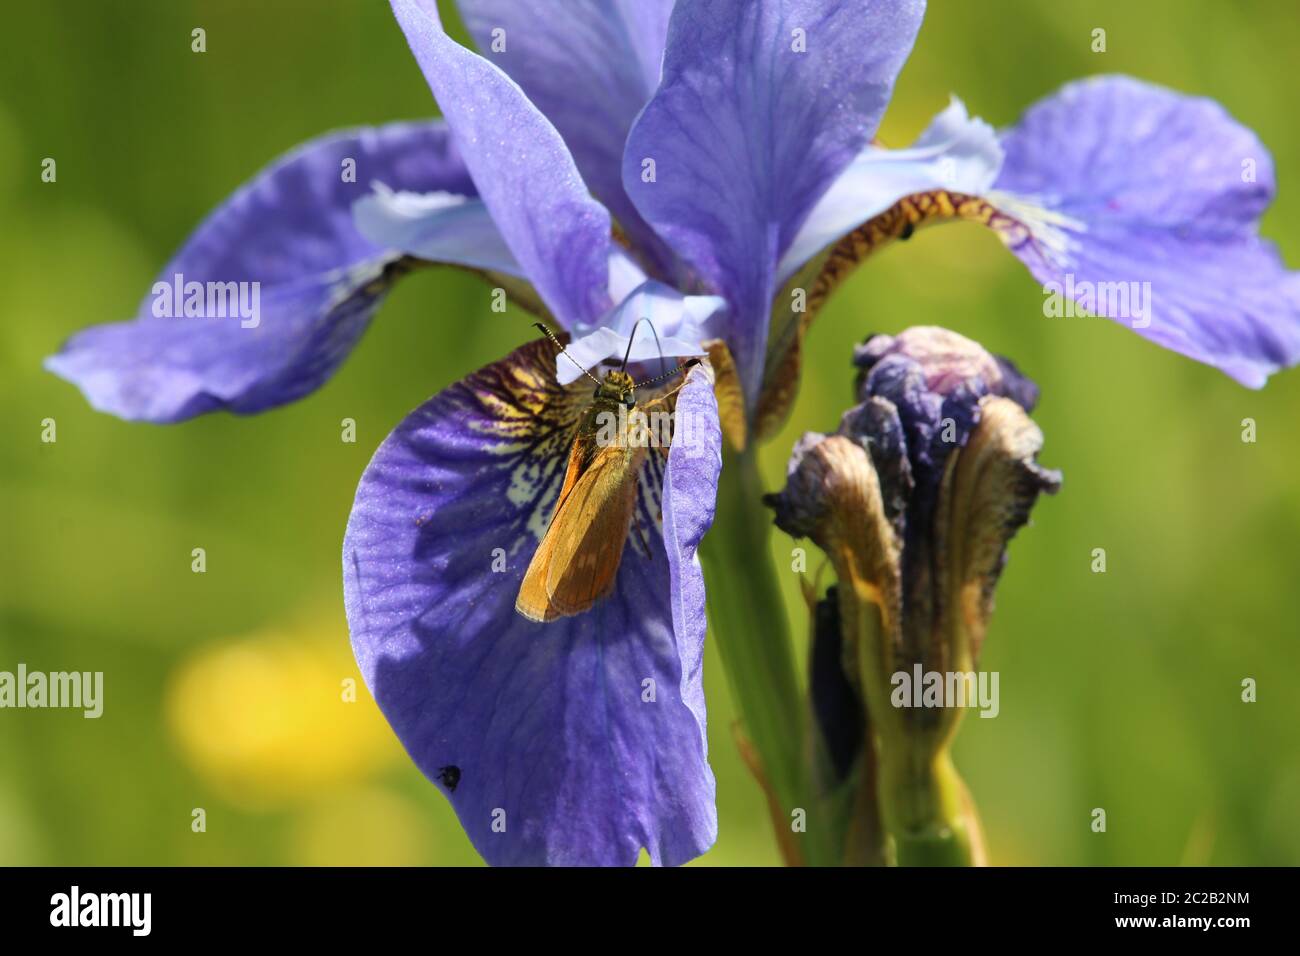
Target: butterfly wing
(577,562)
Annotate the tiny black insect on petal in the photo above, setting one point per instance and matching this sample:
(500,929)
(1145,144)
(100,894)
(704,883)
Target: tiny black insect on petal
(449,776)
(908,229)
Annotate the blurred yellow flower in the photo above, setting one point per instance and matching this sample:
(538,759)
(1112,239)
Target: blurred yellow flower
(278,716)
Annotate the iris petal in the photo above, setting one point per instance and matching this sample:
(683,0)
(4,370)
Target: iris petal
(1126,187)
(524,173)
(762,105)
(288,235)
(438,227)
(574,742)
(445,227)
(1139,203)
(680,323)
(590,66)
(956,152)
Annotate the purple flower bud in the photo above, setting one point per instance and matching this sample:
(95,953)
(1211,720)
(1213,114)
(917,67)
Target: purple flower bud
(915,499)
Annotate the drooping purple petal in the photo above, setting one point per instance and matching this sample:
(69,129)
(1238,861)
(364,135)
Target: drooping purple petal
(547,738)
(762,105)
(590,66)
(679,325)
(523,171)
(287,243)
(1142,204)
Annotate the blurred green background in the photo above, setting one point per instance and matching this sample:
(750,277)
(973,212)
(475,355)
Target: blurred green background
(1119,690)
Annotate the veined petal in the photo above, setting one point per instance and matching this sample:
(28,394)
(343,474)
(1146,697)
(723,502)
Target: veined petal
(590,66)
(1142,204)
(762,105)
(574,742)
(524,173)
(1189,170)
(305,284)
(1138,203)
(956,152)
(681,325)
(625,275)
(882,195)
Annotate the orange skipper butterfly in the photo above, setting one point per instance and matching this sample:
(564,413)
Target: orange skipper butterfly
(577,562)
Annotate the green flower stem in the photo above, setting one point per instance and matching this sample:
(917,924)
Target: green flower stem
(926,809)
(747,622)
(924,805)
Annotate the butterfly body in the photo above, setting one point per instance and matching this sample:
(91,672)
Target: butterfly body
(577,562)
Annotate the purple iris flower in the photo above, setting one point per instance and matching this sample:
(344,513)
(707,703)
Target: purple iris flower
(731,142)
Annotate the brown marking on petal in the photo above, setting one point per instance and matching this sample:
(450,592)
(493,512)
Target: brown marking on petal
(535,421)
(619,235)
(902,220)
(392,270)
(992,484)
(825,272)
(729,394)
(833,496)
(785,352)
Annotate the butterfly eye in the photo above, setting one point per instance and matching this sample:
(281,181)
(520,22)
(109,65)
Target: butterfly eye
(596,393)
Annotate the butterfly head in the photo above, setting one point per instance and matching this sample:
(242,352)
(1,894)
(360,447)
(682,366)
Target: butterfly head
(617,387)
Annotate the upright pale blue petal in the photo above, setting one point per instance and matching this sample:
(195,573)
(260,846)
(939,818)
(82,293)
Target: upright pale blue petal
(679,325)
(524,173)
(762,105)
(956,152)
(309,283)
(590,66)
(575,742)
(1142,204)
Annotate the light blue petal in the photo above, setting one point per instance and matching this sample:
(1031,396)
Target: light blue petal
(762,105)
(1142,204)
(577,742)
(681,322)
(439,227)
(522,170)
(589,66)
(288,239)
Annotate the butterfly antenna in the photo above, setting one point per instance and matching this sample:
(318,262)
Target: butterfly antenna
(559,345)
(670,373)
(631,338)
